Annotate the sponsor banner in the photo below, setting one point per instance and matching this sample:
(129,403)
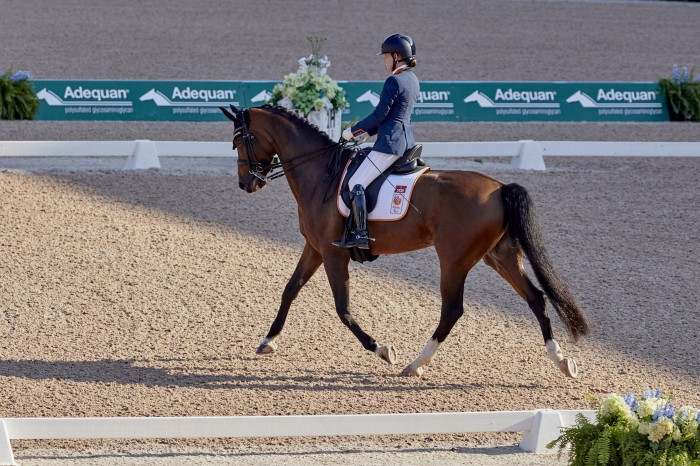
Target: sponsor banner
(438,101)
(135,100)
(562,101)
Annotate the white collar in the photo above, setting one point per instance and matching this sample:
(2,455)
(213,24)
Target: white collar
(399,69)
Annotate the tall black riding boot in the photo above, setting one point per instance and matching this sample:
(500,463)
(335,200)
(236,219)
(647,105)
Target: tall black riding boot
(356,237)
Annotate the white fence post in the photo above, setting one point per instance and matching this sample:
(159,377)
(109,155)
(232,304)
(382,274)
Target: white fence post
(546,426)
(143,157)
(529,157)
(6,456)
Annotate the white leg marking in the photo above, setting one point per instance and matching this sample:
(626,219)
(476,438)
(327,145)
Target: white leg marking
(428,352)
(425,356)
(268,345)
(554,351)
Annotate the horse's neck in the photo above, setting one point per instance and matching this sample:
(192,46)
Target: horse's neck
(304,164)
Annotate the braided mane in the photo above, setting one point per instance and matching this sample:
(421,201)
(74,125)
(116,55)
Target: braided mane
(296,117)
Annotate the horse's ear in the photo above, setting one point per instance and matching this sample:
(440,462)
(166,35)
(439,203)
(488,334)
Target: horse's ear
(231,116)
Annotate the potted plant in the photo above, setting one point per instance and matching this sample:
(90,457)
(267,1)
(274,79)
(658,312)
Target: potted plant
(646,431)
(682,94)
(18,101)
(312,93)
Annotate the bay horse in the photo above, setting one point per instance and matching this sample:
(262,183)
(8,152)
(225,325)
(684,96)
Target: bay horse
(466,216)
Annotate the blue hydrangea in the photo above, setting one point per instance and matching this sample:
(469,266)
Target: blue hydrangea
(21,75)
(676,74)
(631,400)
(651,394)
(667,410)
(685,76)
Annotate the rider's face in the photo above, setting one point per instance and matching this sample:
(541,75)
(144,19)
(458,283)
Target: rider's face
(389,62)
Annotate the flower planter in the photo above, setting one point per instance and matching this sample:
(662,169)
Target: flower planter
(327,121)
(312,93)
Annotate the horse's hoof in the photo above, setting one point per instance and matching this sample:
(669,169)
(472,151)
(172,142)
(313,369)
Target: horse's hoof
(410,372)
(569,367)
(387,353)
(267,347)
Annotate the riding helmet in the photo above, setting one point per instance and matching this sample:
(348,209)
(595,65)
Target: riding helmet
(401,44)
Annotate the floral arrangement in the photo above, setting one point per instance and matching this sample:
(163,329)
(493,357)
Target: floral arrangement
(310,88)
(646,431)
(682,94)
(18,101)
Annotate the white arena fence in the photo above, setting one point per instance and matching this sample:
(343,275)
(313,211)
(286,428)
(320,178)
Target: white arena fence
(538,427)
(144,154)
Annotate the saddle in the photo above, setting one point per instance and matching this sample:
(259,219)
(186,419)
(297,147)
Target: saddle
(409,162)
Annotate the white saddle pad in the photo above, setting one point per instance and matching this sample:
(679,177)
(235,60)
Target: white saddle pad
(394,197)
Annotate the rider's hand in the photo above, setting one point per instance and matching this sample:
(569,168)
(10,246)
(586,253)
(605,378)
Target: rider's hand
(347,134)
(361,137)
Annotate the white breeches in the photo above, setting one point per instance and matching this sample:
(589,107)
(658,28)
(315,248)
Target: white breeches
(371,168)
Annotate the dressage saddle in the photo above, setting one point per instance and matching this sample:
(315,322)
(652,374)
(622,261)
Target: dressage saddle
(409,162)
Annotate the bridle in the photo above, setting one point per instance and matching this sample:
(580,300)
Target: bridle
(258,168)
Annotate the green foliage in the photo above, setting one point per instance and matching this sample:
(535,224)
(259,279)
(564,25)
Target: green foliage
(18,101)
(682,94)
(310,88)
(628,431)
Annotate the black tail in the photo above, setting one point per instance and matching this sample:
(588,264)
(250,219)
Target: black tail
(524,229)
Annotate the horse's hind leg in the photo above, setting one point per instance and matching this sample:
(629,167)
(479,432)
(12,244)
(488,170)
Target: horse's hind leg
(453,273)
(308,264)
(506,259)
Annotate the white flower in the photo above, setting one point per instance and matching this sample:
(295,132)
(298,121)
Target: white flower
(648,406)
(286,103)
(676,435)
(309,88)
(661,429)
(615,407)
(686,419)
(644,428)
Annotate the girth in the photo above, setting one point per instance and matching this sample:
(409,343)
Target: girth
(409,162)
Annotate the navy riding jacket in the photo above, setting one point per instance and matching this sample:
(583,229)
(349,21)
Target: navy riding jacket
(391,119)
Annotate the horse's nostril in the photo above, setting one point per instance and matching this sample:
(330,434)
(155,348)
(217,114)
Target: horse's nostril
(241,185)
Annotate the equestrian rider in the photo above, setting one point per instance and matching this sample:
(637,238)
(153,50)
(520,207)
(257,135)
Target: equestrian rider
(391,122)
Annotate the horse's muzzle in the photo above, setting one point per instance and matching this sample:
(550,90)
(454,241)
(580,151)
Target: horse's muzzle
(251,184)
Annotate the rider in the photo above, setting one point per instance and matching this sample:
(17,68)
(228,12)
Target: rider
(391,122)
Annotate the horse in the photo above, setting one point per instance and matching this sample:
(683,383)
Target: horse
(466,216)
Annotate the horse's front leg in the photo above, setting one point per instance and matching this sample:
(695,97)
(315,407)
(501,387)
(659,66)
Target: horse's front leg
(309,262)
(336,266)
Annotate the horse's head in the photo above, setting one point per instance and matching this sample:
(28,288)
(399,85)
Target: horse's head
(255,155)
